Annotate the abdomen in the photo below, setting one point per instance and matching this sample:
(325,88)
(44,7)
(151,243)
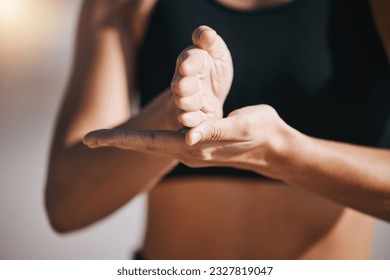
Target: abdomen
(220,218)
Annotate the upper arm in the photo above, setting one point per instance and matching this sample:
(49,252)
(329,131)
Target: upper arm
(97,95)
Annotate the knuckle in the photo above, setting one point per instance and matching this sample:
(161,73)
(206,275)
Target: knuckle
(205,156)
(187,122)
(267,109)
(187,104)
(184,55)
(122,138)
(184,118)
(149,141)
(184,68)
(236,112)
(190,119)
(247,127)
(198,155)
(181,103)
(215,133)
(202,155)
(181,86)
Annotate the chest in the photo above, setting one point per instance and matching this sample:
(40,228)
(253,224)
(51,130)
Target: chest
(282,46)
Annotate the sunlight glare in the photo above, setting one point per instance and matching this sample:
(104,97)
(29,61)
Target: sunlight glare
(10,11)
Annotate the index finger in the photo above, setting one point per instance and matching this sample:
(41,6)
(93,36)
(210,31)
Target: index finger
(154,142)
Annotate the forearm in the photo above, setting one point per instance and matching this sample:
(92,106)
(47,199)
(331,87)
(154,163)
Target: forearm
(85,185)
(356,176)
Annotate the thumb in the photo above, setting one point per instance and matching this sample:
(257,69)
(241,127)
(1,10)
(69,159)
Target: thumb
(212,130)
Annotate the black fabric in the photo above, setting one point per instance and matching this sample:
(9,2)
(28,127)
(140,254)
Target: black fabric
(319,63)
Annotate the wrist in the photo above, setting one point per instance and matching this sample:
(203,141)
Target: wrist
(160,114)
(171,112)
(284,151)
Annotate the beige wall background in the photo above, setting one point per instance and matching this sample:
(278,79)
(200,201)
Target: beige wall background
(36,39)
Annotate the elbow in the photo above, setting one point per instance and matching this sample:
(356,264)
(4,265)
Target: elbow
(386,217)
(57,220)
(63,214)
(59,227)
(57,212)
(61,222)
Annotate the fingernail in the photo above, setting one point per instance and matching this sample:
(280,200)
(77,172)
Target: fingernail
(195,138)
(199,36)
(91,145)
(88,142)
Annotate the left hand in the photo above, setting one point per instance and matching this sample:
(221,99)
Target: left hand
(253,138)
(203,77)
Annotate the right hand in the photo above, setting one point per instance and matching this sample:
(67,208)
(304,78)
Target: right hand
(253,138)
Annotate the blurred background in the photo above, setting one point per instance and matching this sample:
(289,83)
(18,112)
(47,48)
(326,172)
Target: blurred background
(36,40)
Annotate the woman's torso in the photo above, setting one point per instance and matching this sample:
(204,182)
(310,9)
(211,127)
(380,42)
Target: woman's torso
(289,57)
(219,218)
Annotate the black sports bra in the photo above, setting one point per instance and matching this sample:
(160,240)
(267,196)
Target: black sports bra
(319,63)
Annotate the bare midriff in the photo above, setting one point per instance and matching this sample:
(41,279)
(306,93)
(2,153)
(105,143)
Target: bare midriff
(236,218)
